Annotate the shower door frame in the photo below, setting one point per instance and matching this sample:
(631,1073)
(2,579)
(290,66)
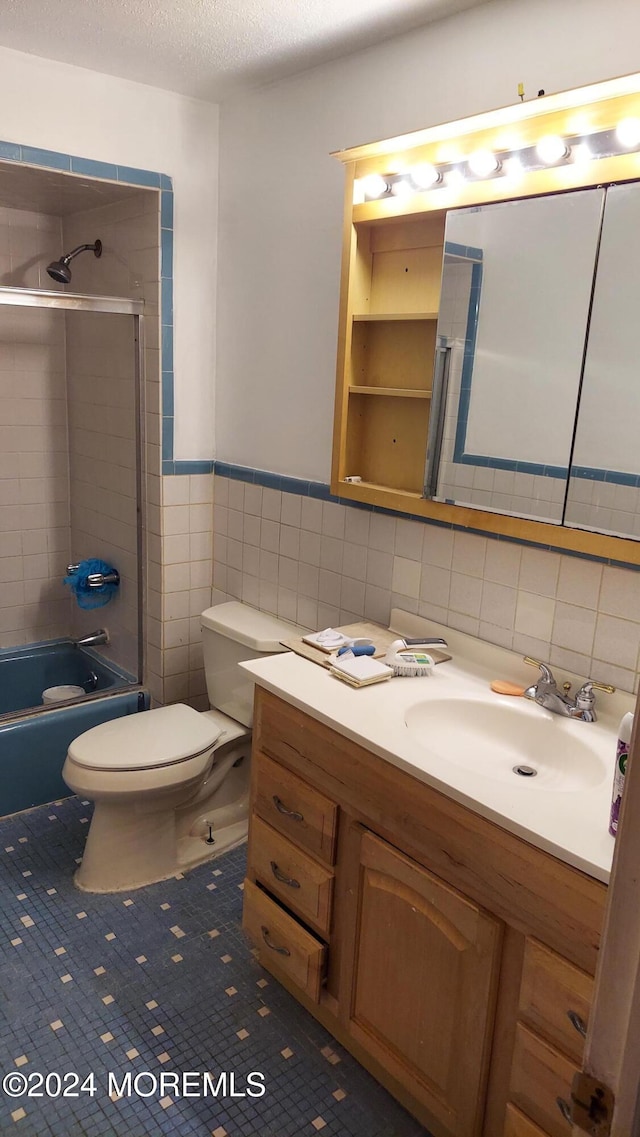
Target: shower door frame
(108,305)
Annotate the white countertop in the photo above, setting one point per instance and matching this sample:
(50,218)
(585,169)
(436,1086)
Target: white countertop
(571,822)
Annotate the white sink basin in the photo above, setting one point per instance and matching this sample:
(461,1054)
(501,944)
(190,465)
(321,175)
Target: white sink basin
(493,737)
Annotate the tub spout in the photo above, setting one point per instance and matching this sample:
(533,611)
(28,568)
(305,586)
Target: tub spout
(94,639)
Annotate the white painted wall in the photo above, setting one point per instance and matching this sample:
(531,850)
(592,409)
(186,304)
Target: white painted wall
(281,195)
(76,111)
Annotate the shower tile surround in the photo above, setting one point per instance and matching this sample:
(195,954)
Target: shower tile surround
(137,261)
(67,475)
(35,539)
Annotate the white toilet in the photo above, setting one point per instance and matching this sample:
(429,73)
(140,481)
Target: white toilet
(171,785)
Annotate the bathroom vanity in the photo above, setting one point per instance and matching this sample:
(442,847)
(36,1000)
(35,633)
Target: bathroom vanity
(428,915)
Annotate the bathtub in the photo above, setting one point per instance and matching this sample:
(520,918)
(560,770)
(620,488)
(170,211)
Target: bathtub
(34,739)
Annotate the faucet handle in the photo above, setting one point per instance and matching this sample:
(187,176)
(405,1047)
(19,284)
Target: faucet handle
(547,674)
(586,691)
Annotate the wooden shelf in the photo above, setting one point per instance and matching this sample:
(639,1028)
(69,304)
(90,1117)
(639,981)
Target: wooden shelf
(394,392)
(370,317)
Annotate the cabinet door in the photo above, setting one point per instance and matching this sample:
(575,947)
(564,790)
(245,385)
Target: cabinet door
(424,984)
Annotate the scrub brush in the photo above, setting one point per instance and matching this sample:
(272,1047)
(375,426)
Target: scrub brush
(408,663)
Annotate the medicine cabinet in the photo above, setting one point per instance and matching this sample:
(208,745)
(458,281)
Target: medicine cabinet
(487,357)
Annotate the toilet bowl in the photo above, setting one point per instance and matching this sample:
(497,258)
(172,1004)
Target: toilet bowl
(170,786)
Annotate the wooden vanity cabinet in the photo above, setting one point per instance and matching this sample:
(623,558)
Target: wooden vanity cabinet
(454,960)
(423,986)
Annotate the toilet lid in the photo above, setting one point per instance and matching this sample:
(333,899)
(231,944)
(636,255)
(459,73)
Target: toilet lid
(146,740)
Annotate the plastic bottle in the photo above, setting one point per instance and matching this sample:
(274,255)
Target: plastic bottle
(622,753)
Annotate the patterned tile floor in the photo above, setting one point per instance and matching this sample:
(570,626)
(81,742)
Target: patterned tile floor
(158,982)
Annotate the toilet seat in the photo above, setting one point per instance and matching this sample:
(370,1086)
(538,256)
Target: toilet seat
(151,740)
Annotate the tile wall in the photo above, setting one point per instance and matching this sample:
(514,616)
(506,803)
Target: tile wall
(321,563)
(179,519)
(102,421)
(102,459)
(34,506)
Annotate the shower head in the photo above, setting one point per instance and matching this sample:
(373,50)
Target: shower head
(60,271)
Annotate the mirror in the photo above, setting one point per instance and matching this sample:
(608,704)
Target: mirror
(513,320)
(603,493)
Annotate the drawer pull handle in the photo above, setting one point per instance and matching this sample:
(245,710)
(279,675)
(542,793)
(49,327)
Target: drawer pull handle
(282,878)
(565,1109)
(280,950)
(578,1022)
(281,808)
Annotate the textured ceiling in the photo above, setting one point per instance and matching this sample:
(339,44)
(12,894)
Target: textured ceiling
(208,48)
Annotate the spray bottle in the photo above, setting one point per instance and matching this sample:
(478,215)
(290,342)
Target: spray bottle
(622,753)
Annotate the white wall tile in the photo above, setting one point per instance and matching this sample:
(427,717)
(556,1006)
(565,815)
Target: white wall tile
(534,616)
(291,511)
(465,595)
(379,568)
(382,532)
(498,605)
(573,627)
(406,577)
(437,546)
(333,516)
(539,571)
(356,528)
(331,553)
(620,593)
(469,553)
(616,641)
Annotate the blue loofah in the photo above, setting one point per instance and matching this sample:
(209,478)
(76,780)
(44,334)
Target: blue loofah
(91,597)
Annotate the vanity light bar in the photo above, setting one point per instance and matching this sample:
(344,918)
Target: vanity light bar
(551,150)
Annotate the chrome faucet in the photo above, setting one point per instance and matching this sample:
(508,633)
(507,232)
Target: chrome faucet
(546,694)
(94,639)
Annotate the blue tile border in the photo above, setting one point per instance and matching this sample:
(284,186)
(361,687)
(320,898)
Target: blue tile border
(149,179)
(33,156)
(322,492)
(92,169)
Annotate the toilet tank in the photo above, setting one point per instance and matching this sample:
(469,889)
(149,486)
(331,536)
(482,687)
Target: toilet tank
(232,633)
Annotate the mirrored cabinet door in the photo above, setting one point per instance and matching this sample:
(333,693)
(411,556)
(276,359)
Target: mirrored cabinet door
(516,289)
(604,486)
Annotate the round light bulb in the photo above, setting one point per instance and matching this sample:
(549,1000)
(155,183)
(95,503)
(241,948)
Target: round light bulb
(402,188)
(628,133)
(552,149)
(374,185)
(455,179)
(513,168)
(425,176)
(582,153)
(483,163)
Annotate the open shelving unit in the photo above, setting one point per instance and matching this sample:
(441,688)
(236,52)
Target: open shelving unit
(389,318)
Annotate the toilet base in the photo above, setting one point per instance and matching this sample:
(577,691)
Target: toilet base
(129,847)
(194,851)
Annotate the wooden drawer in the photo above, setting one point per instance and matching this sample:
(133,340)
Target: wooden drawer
(299,881)
(517,1125)
(555,998)
(283,944)
(295,808)
(540,1076)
